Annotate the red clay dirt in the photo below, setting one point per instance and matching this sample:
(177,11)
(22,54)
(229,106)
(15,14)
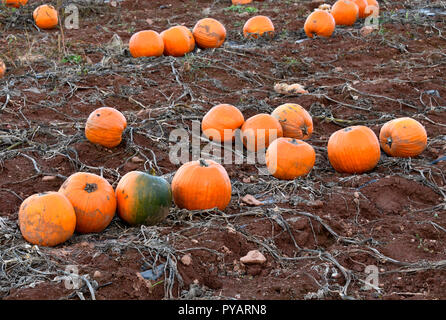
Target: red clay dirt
(319,233)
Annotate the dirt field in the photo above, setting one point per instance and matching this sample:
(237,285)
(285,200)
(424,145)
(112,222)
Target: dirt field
(318,233)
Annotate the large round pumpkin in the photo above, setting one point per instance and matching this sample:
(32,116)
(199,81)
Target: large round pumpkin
(2,69)
(353,150)
(178,41)
(288,158)
(47,219)
(105,126)
(221,121)
(259,131)
(345,12)
(238,2)
(403,137)
(201,185)
(209,33)
(320,23)
(258,26)
(146,43)
(295,120)
(93,200)
(143,198)
(46,16)
(15,3)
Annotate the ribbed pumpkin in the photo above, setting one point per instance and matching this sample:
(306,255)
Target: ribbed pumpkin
(403,137)
(258,26)
(15,3)
(46,16)
(362,4)
(146,43)
(209,33)
(93,200)
(295,120)
(47,219)
(2,69)
(221,121)
(288,158)
(143,198)
(178,41)
(320,23)
(105,126)
(372,8)
(259,131)
(201,185)
(353,149)
(345,12)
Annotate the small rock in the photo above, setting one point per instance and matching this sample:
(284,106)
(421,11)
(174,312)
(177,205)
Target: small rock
(338,69)
(97,274)
(186,259)
(367,30)
(356,194)
(253,257)
(136,159)
(149,21)
(316,204)
(249,199)
(246,180)
(49,178)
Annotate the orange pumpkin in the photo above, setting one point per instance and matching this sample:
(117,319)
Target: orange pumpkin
(372,8)
(178,41)
(209,33)
(403,137)
(259,131)
(353,150)
(288,158)
(15,3)
(345,12)
(295,120)
(93,200)
(237,2)
(46,16)
(47,219)
(105,126)
(221,121)
(320,23)
(258,26)
(201,185)
(146,43)
(362,4)
(2,69)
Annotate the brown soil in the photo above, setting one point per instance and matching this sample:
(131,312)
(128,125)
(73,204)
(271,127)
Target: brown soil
(318,233)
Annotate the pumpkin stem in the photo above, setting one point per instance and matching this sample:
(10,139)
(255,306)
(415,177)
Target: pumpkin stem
(294,141)
(305,130)
(389,142)
(203,163)
(91,187)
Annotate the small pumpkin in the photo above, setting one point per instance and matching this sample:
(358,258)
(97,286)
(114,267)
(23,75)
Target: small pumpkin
(288,158)
(259,131)
(403,137)
(353,149)
(362,4)
(345,12)
(2,69)
(201,185)
(221,121)
(209,33)
(237,2)
(47,219)
(178,41)
(143,198)
(93,200)
(146,43)
(258,26)
(15,3)
(372,8)
(46,16)
(295,120)
(321,23)
(105,126)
